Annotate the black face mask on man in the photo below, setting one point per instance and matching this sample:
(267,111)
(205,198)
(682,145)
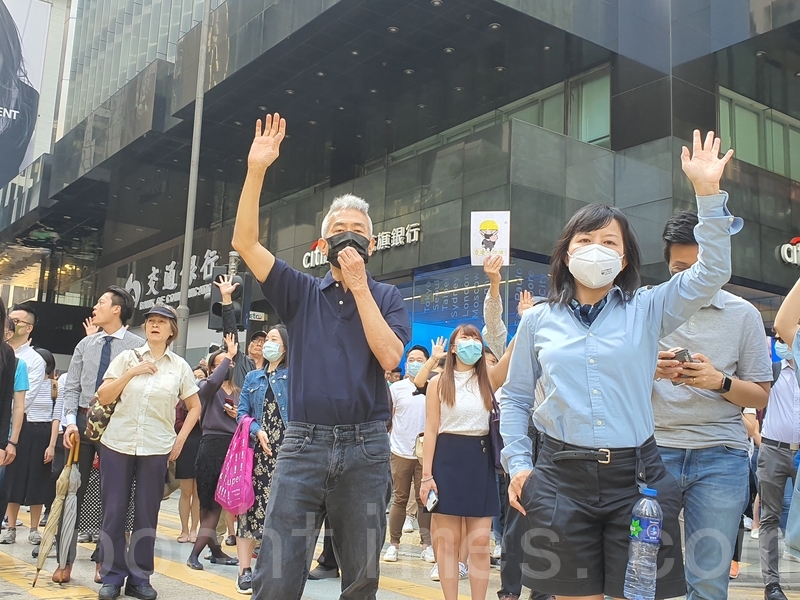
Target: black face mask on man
(340,241)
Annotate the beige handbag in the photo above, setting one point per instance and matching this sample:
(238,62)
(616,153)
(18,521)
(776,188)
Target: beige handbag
(418,446)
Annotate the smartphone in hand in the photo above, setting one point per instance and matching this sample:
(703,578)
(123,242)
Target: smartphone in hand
(433,500)
(682,355)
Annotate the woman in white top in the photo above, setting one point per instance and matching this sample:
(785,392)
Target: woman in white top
(458,463)
(139,441)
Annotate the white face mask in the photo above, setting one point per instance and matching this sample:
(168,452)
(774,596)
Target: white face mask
(595,266)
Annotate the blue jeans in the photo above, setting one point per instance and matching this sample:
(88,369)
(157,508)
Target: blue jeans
(714,483)
(342,472)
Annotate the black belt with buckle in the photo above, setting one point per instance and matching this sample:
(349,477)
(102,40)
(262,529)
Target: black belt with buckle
(780,445)
(604,456)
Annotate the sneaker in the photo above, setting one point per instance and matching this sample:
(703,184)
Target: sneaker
(790,557)
(244,582)
(754,534)
(427,555)
(435,572)
(84,538)
(747,523)
(34,537)
(9,536)
(408,525)
(463,571)
(391,554)
(497,551)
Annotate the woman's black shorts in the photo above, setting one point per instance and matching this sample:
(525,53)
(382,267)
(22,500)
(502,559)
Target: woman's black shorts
(579,517)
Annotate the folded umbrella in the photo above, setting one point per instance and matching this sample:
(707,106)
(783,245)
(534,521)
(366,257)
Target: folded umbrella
(63,510)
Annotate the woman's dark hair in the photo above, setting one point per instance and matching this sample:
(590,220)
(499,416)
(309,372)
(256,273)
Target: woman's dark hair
(679,230)
(9,325)
(591,218)
(122,298)
(49,361)
(12,71)
(447,380)
(202,369)
(281,329)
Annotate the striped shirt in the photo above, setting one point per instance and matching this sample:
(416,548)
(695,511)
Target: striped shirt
(58,411)
(82,379)
(39,408)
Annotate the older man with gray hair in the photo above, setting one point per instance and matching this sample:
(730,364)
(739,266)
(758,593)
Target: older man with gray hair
(345,331)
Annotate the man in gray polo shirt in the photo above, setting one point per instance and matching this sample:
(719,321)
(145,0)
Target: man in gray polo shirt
(699,427)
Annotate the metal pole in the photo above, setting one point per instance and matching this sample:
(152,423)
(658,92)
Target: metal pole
(183,309)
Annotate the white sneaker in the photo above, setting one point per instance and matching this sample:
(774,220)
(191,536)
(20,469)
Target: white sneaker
(34,537)
(427,555)
(748,523)
(463,571)
(391,554)
(435,572)
(408,525)
(754,534)
(790,557)
(497,551)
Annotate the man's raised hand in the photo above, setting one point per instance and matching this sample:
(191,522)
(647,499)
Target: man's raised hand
(267,142)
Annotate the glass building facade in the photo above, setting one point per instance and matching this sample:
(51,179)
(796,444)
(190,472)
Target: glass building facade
(429,110)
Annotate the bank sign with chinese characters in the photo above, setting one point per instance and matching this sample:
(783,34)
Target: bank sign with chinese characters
(384,240)
(162,284)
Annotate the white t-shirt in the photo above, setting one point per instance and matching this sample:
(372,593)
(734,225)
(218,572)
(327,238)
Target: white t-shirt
(408,420)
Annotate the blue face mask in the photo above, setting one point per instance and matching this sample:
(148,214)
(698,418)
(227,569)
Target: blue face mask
(783,351)
(272,351)
(469,351)
(413,368)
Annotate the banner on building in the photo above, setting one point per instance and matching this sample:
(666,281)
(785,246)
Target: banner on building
(23,40)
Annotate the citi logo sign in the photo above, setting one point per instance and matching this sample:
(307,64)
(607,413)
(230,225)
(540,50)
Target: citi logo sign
(789,253)
(314,258)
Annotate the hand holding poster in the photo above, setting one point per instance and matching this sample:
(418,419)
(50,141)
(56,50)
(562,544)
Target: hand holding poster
(490,234)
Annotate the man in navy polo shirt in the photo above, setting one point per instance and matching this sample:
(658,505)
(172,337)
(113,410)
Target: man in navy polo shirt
(345,331)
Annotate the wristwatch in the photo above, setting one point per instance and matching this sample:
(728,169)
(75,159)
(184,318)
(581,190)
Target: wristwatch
(727,382)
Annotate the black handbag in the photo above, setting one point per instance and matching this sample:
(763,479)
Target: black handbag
(495,438)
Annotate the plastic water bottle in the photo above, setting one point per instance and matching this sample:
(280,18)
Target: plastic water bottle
(640,576)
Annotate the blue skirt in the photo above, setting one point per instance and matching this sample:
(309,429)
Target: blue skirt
(465,477)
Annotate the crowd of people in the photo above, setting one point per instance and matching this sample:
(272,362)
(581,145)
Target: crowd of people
(528,454)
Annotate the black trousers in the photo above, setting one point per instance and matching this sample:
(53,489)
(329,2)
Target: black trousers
(513,555)
(117,471)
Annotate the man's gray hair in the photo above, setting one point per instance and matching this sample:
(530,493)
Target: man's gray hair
(342,203)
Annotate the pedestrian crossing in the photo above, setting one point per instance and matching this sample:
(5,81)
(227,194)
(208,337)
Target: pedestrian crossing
(405,579)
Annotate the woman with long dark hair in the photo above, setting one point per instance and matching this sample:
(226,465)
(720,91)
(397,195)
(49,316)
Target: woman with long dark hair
(458,463)
(19,102)
(219,398)
(265,398)
(594,346)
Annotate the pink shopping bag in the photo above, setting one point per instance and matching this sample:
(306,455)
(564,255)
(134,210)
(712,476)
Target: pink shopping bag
(235,488)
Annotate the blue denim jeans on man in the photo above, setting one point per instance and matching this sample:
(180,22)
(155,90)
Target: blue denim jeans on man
(715,484)
(342,471)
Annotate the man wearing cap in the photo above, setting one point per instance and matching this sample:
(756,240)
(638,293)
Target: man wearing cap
(345,330)
(89,363)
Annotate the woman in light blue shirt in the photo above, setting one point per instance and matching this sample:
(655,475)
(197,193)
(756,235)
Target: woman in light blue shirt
(594,345)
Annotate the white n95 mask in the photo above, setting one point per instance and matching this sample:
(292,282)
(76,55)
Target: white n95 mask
(595,266)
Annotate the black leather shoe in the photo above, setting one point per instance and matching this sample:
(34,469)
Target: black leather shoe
(323,573)
(193,563)
(109,592)
(774,592)
(143,592)
(226,560)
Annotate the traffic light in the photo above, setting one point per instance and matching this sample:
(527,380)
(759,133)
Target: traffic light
(241,300)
